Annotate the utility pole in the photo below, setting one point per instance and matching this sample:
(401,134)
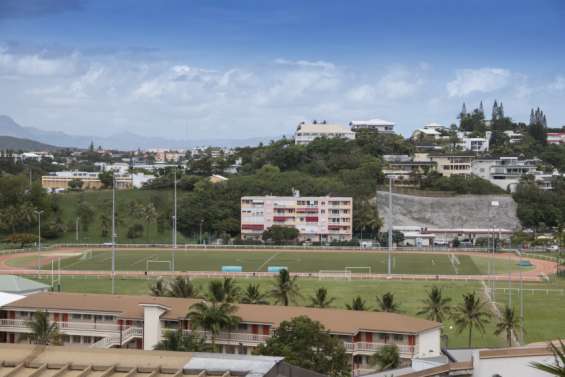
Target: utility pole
(38,213)
(174,222)
(510,281)
(113,235)
(200,238)
(76,228)
(390,217)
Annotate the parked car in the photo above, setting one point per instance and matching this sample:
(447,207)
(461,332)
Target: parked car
(552,248)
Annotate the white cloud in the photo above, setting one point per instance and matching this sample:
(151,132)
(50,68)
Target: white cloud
(558,84)
(306,63)
(37,65)
(483,80)
(399,84)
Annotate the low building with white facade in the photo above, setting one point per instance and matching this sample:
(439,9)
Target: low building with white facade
(317,218)
(108,321)
(430,132)
(308,132)
(506,172)
(453,164)
(372,125)
(556,137)
(473,144)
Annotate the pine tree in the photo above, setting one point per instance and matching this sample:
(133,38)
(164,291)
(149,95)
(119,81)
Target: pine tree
(495,111)
(532,117)
(463,112)
(501,111)
(481,109)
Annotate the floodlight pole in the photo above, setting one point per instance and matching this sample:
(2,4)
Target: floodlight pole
(113,235)
(174,222)
(76,228)
(38,213)
(390,217)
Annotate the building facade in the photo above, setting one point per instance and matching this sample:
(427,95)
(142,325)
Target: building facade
(373,125)
(455,164)
(140,322)
(506,172)
(556,137)
(308,132)
(59,181)
(317,218)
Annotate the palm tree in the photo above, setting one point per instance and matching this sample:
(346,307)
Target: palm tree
(179,341)
(213,316)
(149,215)
(436,307)
(357,304)
(388,357)
(321,299)
(253,295)
(216,291)
(231,290)
(285,289)
(557,368)
(472,312)
(182,286)
(159,288)
(386,304)
(42,330)
(507,324)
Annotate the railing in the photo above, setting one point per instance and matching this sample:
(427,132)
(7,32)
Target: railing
(372,347)
(227,336)
(22,324)
(115,339)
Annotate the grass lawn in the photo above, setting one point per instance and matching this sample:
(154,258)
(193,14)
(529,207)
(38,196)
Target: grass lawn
(408,294)
(213,260)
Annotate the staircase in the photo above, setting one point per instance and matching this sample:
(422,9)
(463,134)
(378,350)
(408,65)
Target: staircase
(114,340)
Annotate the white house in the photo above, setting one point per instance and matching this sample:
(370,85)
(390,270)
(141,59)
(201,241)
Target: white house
(307,132)
(373,125)
(474,144)
(506,172)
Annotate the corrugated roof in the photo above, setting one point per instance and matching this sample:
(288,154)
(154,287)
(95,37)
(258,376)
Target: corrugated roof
(335,320)
(18,284)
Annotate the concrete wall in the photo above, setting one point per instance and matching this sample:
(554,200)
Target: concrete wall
(429,344)
(511,367)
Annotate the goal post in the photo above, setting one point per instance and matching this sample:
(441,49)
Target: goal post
(154,261)
(334,275)
(353,269)
(86,255)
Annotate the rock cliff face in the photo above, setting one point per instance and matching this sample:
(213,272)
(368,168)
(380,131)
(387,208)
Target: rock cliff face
(461,211)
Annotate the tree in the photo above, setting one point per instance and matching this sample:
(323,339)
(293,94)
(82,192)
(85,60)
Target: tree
(105,223)
(231,290)
(135,231)
(321,299)
(182,286)
(75,184)
(435,306)
(386,303)
(507,324)
(387,357)
(280,234)
(214,317)
(181,342)
(43,331)
(158,288)
(107,179)
(253,295)
(357,304)
(557,368)
(307,344)
(285,289)
(471,313)
(85,212)
(21,238)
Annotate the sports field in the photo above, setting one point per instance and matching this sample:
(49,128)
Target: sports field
(258,261)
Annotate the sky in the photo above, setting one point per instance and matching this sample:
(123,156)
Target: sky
(246,68)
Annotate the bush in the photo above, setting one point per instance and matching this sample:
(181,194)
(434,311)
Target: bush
(135,231)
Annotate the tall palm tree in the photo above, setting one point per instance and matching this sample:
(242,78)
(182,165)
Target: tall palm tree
(253,295)
(159,288)
(216,291)
(285,289)
(557,368)
(182,286)
(321,299)
(435,306)
(213,316)
(388,357)
(42,330)
(231,290)
(386,303)
(357,304)
(149,215)
(472,312)
(507,324)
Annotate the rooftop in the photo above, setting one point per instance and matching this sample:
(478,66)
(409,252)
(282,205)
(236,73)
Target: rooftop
(18,284)
(371,122)
(322,128)
(177,308)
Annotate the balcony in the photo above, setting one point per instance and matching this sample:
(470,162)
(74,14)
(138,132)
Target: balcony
(228,337)
(66,327)
(371,347)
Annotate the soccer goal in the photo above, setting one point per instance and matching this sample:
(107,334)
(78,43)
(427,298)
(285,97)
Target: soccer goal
(334,275)
(150,262)
(454,262)
(361,270)
(86,255)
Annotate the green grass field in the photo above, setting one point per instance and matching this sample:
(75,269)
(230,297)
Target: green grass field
(213,260)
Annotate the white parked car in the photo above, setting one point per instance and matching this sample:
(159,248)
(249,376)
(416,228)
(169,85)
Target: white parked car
(552,248)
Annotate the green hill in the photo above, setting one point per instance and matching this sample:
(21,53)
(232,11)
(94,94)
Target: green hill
(16,144)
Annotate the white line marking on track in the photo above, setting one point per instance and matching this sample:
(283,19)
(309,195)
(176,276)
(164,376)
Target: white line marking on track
(267,261)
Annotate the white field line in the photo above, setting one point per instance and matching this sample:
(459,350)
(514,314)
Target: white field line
(267,261)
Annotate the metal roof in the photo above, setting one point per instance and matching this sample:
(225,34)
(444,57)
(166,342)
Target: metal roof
(18,284)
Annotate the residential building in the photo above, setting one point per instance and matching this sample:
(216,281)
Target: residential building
(556,137)
(514,137)
(29,360)
(317,218)
(506,172)
(216,178)
(430,132)
(453,164)
(59,181)
(21,286)
(105,321)
(473,144)
(372,125)
(405,171)
(307,132)
(167,155)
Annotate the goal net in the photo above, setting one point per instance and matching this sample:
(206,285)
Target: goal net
(334,275)
(360,270)
(158,264)
(86,255)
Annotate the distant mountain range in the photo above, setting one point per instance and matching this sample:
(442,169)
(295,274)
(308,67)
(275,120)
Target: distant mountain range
(121,141)
(16,144)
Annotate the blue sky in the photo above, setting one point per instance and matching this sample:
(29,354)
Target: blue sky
(256,68)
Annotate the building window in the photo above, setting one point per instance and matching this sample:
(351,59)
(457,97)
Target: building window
(76,316)
(398,337)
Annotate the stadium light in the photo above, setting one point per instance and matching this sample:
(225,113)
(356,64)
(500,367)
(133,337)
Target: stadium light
(38,213)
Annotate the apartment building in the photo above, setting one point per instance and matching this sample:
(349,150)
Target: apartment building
(556,137)
(506,172)
(372,125)
(430,132)
(474,144)
(454,164)
(107,321)
(317,218)
(406,170)
(59,181)
(307,132)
